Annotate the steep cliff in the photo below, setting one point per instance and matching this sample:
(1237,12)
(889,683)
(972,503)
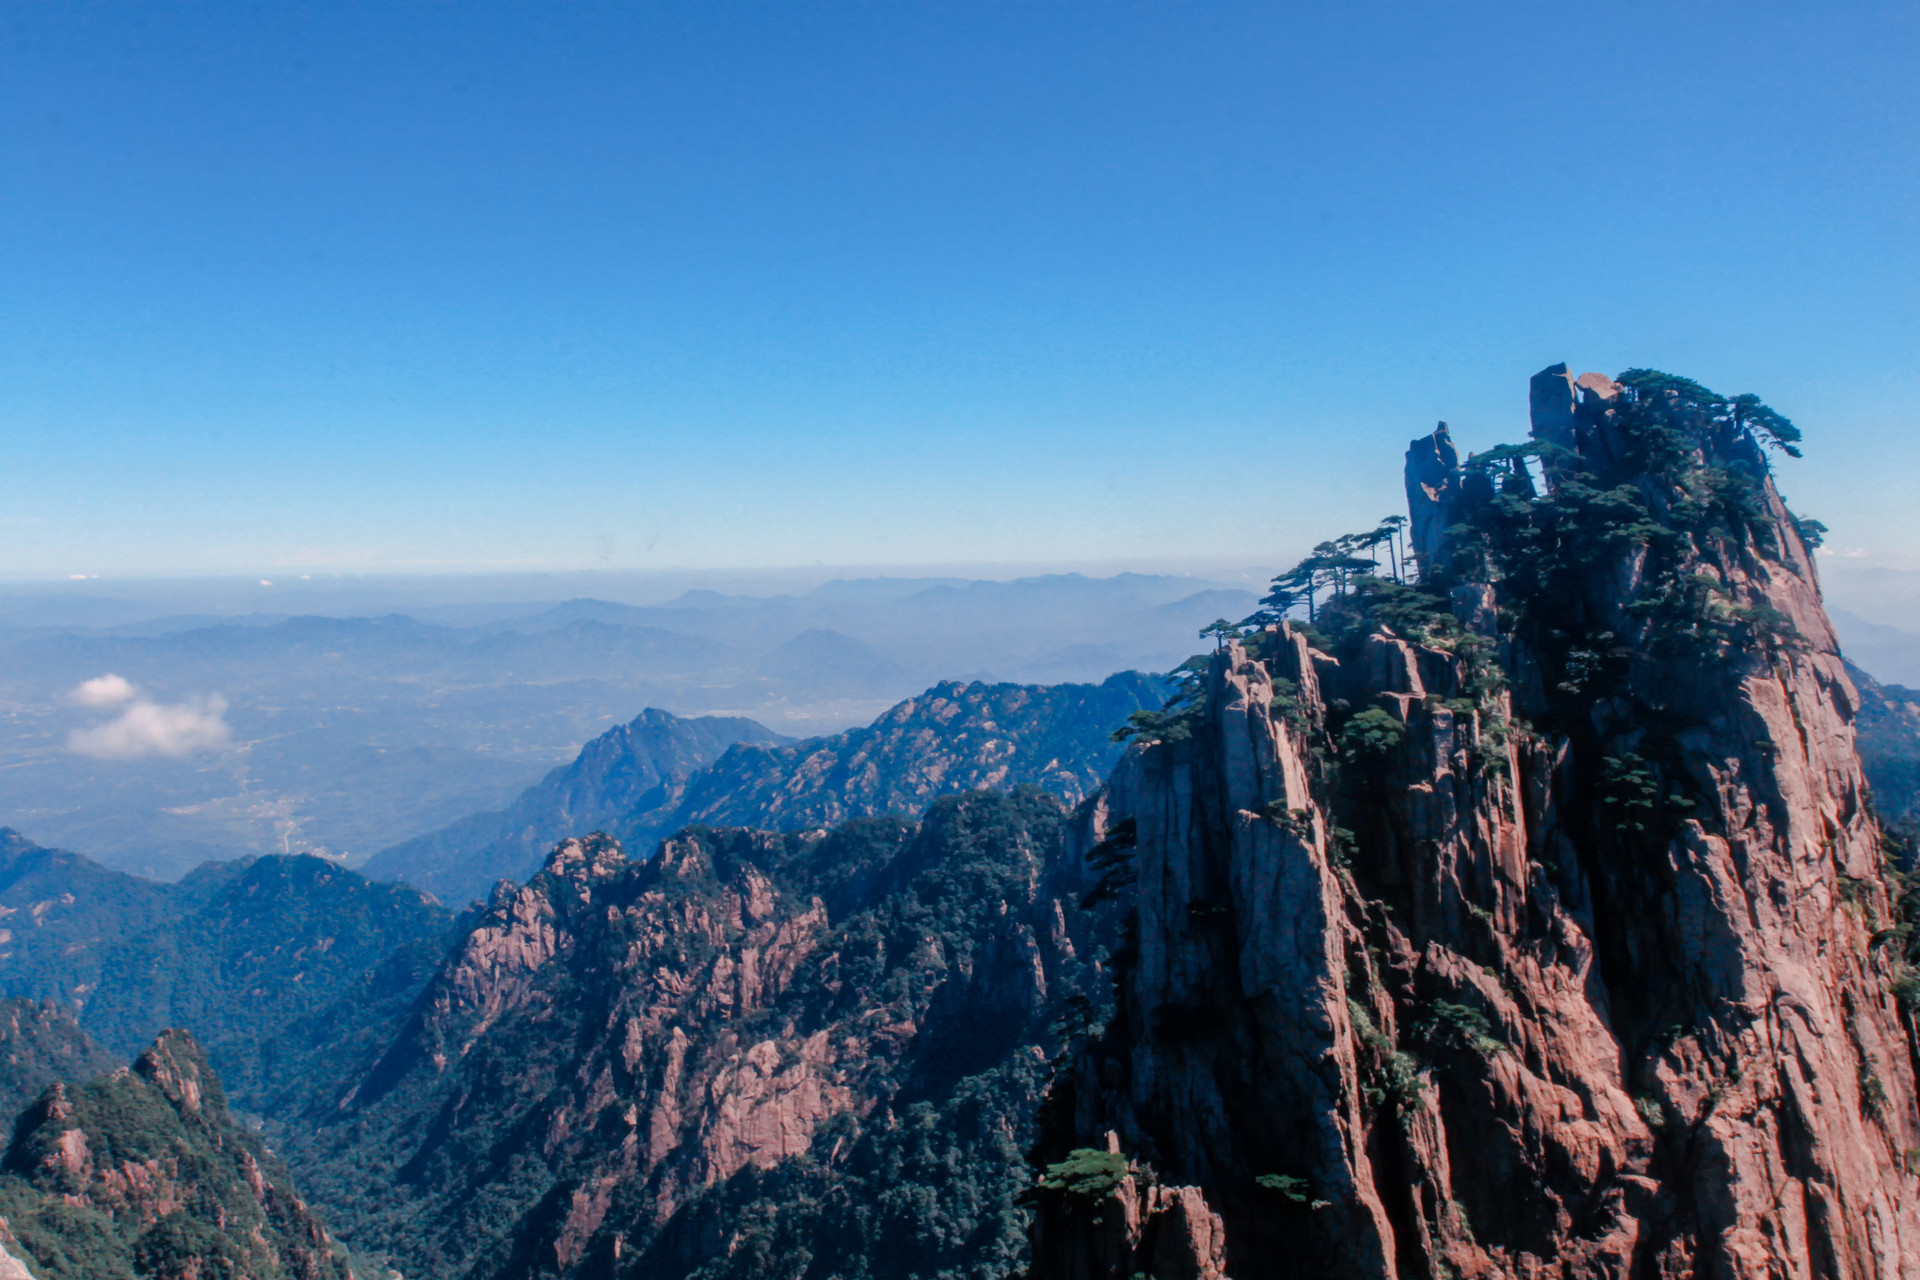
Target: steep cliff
(143,1173)
(1527,921)
(749,1055)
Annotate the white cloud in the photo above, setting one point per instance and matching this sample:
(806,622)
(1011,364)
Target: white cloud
(155,729)
(104,691)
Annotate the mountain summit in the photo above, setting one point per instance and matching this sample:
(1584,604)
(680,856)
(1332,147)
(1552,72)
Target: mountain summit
(1528,919)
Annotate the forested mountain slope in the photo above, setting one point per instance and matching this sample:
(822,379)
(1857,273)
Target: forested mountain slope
(748,1055)
(266,960)
(143,1173)
(643,764)
(1889,740)
(40,1043)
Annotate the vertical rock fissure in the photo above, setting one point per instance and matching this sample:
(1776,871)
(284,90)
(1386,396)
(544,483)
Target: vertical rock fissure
(1549,941)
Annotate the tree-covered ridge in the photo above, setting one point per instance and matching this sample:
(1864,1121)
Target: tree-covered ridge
(955,737)
(40,1042)
(274,964)
(650,778)
(754,1054)
(142,1173)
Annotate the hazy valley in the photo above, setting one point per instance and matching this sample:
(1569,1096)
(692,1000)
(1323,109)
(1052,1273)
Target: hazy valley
(345,735)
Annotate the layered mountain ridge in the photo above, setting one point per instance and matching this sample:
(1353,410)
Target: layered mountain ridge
(644,764)
(1522,911)
(269,960)
(645,780)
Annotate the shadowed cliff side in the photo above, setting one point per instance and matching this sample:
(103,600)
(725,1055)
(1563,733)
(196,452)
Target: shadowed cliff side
(1529,920)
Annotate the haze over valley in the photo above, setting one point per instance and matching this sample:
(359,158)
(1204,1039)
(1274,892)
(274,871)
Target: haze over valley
(343,735)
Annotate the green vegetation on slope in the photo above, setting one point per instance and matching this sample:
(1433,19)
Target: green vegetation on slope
(142,1173)
(40,1043)
(609,1075)
(270,962)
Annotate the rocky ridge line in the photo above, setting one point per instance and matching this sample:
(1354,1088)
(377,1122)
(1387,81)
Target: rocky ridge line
(1551,937)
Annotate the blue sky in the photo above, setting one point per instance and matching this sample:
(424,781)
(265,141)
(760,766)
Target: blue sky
(403,287)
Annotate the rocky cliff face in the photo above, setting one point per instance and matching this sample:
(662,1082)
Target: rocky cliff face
(745,1054)
(143,1173)
(1530,921)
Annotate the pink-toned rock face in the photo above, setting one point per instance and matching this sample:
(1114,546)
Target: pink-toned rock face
(637,1046)
(153,1149)
(1504,990)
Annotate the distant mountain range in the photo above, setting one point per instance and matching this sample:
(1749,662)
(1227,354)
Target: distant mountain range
(644,765)
(662,772)
(347,735)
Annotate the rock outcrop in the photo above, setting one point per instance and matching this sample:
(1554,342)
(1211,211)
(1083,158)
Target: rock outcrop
(143,1173)
(1528,922)
(745,1051)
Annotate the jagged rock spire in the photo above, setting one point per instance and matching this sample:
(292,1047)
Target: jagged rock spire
(1433,487)
(1582,965)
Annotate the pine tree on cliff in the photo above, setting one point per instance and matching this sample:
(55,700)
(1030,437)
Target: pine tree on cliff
(1535,923)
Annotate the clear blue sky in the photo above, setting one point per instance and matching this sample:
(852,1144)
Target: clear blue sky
(425,286)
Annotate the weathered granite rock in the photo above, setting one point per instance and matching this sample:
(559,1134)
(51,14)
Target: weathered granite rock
(632,1067)
(143,1173)
(1433,487)
(1583,972)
